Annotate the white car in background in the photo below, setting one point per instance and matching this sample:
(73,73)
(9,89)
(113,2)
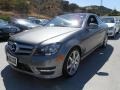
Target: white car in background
(113,24)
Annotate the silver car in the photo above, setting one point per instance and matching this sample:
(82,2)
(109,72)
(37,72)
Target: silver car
(58,48)
(23,24)
(113,24)
(39,21)
(6,29)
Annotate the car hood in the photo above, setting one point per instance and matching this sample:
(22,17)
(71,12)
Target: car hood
(110,24)
(41,34)
(30,25)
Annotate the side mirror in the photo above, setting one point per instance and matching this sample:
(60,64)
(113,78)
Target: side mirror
(93,26)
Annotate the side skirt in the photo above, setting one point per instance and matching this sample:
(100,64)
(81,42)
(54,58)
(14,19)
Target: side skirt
(88,53)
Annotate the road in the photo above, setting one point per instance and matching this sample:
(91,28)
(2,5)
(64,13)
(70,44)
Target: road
(99,71)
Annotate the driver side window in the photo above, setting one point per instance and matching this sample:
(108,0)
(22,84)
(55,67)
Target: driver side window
(92,20)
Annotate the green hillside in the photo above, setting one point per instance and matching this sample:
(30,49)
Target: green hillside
(47,8)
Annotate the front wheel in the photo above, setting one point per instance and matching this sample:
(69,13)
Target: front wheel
(71,63)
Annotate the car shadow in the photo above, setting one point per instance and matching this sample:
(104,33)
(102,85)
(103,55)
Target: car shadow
(89,67)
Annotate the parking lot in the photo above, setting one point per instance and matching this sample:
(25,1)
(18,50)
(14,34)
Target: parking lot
(99,71)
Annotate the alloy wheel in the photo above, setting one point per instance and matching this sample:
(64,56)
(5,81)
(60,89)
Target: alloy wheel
(73,62)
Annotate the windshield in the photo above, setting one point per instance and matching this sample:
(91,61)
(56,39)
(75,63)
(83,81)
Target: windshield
(108,20)
(69,20)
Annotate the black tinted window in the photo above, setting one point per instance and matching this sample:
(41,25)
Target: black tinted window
(92,19)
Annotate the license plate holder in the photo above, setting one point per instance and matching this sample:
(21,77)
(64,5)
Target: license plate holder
(11,59)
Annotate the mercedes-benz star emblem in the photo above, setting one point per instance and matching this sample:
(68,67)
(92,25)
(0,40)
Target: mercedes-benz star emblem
(13,47)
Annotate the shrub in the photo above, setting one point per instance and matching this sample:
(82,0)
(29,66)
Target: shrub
(7,18)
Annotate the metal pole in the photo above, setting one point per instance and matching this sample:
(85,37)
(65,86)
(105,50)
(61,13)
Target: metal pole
(101,4)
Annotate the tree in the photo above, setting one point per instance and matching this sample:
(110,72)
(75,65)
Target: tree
(6,5)
(22,6)
(65,5)
(114,13)
(73,7)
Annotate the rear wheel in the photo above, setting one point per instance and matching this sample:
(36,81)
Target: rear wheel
(105,42)
(114,35)
(71,63)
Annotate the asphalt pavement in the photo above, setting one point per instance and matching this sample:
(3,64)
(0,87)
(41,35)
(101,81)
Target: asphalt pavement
(99,71)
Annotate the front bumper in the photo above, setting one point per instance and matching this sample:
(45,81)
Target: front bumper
(39,66)
(111,33)
(4,35)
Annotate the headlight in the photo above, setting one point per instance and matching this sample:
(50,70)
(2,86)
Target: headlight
(17,30)
(48,50)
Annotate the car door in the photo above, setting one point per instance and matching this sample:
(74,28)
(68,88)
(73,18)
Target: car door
(91,35)
(102,30)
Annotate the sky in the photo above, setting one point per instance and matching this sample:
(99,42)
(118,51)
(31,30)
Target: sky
(113,4)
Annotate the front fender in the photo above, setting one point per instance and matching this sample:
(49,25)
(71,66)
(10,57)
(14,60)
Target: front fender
(69,45)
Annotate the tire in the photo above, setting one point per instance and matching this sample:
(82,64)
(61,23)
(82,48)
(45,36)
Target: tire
(104,45)
(119,31)
(71,64)
(114,35)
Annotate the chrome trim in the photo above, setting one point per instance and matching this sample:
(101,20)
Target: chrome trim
(21,48)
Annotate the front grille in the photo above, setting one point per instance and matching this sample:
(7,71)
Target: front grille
(23,67)
(110,33)
(21,48)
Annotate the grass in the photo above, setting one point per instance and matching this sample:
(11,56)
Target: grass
(5,15)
